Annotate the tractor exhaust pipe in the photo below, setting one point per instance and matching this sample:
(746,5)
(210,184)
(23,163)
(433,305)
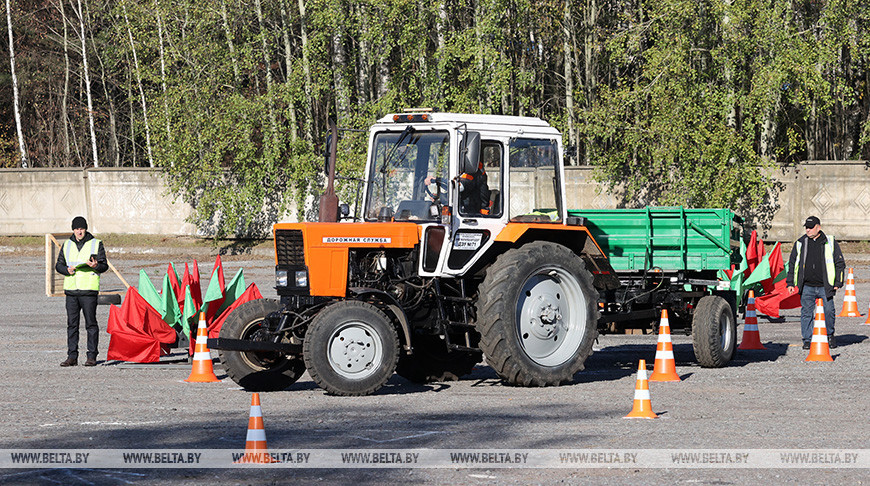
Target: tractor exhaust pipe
(329,201)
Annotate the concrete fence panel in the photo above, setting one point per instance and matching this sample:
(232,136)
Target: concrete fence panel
(135,200)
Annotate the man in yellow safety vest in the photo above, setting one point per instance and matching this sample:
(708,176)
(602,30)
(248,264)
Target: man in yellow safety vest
(815,268)
(81,260)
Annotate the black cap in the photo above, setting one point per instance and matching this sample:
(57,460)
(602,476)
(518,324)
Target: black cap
(811,222)
(79,222)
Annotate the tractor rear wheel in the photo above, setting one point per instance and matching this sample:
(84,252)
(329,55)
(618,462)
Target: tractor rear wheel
(257,370)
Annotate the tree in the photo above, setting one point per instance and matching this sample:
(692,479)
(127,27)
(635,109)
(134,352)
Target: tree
(21,147)
(81,14)
(673,101)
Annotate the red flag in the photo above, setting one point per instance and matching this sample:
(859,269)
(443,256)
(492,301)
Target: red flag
(251,293)
(776,268)
(132,346)
(752,256)
(137,330)
(185,282)
(195,289)
(780,298)
(177,289)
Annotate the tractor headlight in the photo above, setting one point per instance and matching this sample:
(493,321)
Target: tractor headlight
(301,278)
(280,278)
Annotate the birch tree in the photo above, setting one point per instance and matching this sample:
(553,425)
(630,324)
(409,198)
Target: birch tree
(21,147)
(162,67)
(141,89)
(87,80)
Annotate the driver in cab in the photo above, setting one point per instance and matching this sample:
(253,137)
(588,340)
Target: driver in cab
(473,191)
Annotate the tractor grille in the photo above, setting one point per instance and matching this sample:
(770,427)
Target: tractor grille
(288,248)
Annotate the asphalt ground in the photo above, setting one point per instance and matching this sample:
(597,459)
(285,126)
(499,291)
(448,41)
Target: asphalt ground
(770,399)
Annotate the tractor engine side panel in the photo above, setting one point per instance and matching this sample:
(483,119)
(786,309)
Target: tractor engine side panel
(326,248)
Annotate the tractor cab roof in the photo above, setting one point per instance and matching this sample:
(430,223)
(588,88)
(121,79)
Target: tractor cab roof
(492,123)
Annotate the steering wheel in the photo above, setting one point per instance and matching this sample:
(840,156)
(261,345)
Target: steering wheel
(442,185)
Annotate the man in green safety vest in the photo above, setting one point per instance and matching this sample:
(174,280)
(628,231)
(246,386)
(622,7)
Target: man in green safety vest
(816,268)
(81,260)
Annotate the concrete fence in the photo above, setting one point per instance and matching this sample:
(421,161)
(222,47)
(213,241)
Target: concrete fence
(136,200)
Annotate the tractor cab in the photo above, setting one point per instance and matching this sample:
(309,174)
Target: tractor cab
(463,178)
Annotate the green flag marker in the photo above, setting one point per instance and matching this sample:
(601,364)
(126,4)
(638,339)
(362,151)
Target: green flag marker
(214,291)
(149,293)
(234,290)
(761,272)
(189,311)
(171,312)
(737,276)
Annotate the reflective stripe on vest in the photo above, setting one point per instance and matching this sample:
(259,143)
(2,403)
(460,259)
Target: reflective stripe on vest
(798,249)
(85,277)
(829,260)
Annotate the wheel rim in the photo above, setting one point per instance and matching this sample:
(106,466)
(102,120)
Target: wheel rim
(725,332)
(262,360)
(551,316)
(355,350)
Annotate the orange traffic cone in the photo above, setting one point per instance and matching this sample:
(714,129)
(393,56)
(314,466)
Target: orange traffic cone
(751,337)
(850,301)
(819,350)
(642,407)
(256,451)
(867,322)
(665,368)
(203,371)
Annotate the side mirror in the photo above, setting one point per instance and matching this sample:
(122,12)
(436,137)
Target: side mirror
(470,153)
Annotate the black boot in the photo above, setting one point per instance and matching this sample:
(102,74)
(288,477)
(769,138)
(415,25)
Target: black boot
(70,362)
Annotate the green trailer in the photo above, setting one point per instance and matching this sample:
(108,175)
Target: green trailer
(668,258)
(665,238)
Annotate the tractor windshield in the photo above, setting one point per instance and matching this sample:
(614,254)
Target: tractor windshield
(409,175)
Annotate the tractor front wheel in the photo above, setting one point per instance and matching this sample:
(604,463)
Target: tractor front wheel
(351,348)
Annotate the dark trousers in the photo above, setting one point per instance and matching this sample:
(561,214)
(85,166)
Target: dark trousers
(87,304)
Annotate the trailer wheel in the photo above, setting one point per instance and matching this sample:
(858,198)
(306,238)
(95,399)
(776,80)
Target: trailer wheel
(257,371)
(431,362)
(537,315)
(714,332)
(351,348)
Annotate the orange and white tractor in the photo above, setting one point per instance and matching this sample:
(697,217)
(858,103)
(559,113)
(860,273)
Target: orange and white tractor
(462,248)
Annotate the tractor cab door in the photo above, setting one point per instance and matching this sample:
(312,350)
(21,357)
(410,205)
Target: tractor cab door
(480,208)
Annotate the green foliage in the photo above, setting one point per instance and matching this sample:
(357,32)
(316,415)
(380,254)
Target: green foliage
(686,124)
(674,101)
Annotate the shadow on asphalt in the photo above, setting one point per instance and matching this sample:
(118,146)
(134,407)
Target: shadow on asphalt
(849,339)
(773,352)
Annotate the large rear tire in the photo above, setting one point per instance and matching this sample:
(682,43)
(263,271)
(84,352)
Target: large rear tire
(257,371)
(537,315)
(714,332)
(351,348)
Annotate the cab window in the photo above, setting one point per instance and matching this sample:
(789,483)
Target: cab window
(534,180)
(480,192)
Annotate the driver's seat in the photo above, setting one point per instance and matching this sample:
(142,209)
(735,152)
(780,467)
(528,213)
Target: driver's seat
(494,206)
